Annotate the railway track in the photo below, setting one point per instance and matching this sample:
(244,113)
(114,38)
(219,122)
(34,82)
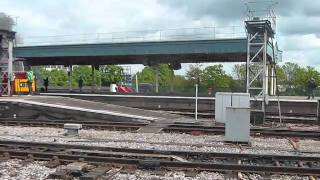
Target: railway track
(164,160)
(286,117)
(174,128)
(255,131)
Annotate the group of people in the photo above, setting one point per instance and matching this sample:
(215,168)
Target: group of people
(46,84)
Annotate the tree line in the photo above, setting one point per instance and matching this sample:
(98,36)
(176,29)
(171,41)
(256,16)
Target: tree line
(105,75)
(291,77)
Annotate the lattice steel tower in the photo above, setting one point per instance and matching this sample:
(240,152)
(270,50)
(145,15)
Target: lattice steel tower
(7,38)
(261,56)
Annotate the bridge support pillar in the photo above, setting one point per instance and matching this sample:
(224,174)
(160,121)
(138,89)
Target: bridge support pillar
(157,79)
(172,82)
(70,77)
(93,75)
(273,84)
(10,66)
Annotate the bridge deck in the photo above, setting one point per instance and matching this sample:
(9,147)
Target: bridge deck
(218,50)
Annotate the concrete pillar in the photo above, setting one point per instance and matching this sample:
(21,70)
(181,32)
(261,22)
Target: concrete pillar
(318,111)
(137,84)
(172,82)
(267,80)
(157,79)
(10,64)
(196,105)
(272,81)
(70,77)
(275,88)
(93,75)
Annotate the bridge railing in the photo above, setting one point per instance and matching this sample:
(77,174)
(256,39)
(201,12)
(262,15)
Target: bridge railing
(204,33)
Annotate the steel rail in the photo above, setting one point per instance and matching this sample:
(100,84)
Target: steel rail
(176,128)
(206,155)
(96,158)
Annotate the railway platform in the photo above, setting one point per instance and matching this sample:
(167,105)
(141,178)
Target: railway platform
(57,107)
(292,107)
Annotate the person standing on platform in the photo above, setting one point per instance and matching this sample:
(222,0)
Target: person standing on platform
(30,81)
(46,84)
(80,83)
(311,88)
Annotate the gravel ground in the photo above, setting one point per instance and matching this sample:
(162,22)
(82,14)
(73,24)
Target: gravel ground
(142,175)
(281,144)
(309,145)
(163,141)
(16,169)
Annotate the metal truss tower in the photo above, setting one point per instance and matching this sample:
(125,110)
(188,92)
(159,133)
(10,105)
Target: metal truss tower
(261,58)
(7,39)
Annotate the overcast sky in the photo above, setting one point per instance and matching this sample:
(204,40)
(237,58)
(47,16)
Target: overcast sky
(298,22)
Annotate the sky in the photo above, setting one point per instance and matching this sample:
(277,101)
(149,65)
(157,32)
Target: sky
(298,29)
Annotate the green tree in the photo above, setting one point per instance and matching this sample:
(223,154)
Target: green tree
(194,73)
(239,71)
(57,78)
(290,67)
(85,72)
(182,81)
(166,75)
(104,76)
(301,77)
(214,76)
(148,75)
(111,74)
(290,71)
(280,75)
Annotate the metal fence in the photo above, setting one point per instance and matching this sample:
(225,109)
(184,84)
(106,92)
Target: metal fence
(204,33)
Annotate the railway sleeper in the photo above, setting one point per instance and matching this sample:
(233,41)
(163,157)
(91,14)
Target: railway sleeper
(156,164)
(149,164)
(61,174)
(5,156)
(54,162)
(94,173)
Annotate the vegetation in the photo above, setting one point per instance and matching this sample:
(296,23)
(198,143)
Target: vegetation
(148,74)
(291,77)
(105,75)
(110,75)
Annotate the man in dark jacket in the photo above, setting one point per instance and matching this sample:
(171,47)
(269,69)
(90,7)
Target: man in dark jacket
(311,88)
(46,84)
(80,83)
